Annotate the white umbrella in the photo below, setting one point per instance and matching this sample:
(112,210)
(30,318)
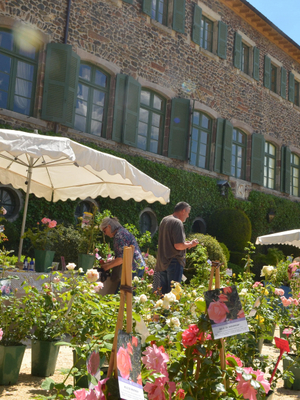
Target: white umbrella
(286,237)
(59,169)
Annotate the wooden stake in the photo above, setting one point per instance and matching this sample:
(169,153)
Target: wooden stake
(126,281)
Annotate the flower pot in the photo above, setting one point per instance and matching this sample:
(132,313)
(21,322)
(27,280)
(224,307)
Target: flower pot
(43,260)
(295,369)
(10,363)
(81,381)
(270,333)
(43,357)
(85,261)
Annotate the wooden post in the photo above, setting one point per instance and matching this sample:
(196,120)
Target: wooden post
(215,272)
(125,293)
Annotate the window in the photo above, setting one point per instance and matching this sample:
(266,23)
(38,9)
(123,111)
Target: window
(294,179)
(269,165)
(238,154)
(159,11)
(245,58)
(273,78)
(11,200)
(246,55)
(148,221)
(297,93)
(151,122)
(206,40)
(18,65)
(200,140)
(87,205)
(92,99)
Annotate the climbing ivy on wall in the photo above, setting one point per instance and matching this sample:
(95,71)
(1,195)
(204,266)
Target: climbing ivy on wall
(201,192)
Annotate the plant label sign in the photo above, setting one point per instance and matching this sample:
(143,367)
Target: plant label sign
(225,312)
(129,367)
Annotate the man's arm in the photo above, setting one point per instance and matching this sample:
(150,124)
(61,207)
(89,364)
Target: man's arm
(186,244)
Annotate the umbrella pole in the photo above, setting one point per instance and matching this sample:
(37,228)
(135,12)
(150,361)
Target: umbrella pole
(29,173)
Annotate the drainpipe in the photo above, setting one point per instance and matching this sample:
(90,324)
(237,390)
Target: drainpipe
(67,22)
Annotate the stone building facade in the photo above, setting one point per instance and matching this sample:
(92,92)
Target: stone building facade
(206,86)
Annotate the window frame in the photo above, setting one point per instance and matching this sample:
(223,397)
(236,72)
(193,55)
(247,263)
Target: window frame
(294,166)
(15,57)
(156,11)
(245,66)
(204,21)
(91,85)
(274,77)
(244,153)
(209,140)
(267,168)
(297,93)
(149,124)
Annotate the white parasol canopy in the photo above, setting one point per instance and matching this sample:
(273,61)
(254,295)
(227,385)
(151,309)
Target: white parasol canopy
(286,237)
(58,168)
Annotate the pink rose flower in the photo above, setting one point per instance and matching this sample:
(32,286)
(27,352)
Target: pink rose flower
(99,389)
(155,359)
(246,389)
(80,394)
(180,394)
(190,335)
(45,221)
(217,311)
(229,362)
(124,363)
(98,286)
(256,284)
(1,333)
(286,302)
(52,224)
(279,292)
(150,272)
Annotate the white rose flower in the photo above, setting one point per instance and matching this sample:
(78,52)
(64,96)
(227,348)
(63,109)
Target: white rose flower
(170,297)
(71,266)
(148,317)
(143,298)
(267,270)
(243,292)
(194,292)
(166,305)
(159,303)
(80,270)
(98,286)
(92,275)
(56,279)
(136,279)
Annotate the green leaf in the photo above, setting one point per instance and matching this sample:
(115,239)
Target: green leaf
(48,384)
(255,384)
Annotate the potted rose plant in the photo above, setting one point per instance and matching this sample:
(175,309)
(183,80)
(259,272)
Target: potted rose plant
(43,239)
(16,322)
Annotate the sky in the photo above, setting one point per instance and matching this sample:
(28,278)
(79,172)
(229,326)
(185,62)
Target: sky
(285,14)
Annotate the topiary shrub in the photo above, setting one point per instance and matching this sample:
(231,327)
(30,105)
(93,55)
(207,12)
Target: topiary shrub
(225,251)
(232,227)
(214,250)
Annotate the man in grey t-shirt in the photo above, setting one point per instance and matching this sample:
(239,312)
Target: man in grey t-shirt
(172,246)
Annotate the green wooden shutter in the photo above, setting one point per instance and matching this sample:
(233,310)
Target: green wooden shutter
(256,63)
(128,1)
(285,169)
(147,6)
(132,110)
(196,33)
(227,148)
(238,49)
(283,82)
(291,87)
(267,73)
(222,40)
(119,107)
(179,16)
(219,145)
(257,159)
(179,129)
(56,83)
(72,89)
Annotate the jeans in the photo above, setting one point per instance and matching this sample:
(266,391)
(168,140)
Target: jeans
(172,273)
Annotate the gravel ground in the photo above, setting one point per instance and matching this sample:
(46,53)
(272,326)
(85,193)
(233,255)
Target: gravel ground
(28,386)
